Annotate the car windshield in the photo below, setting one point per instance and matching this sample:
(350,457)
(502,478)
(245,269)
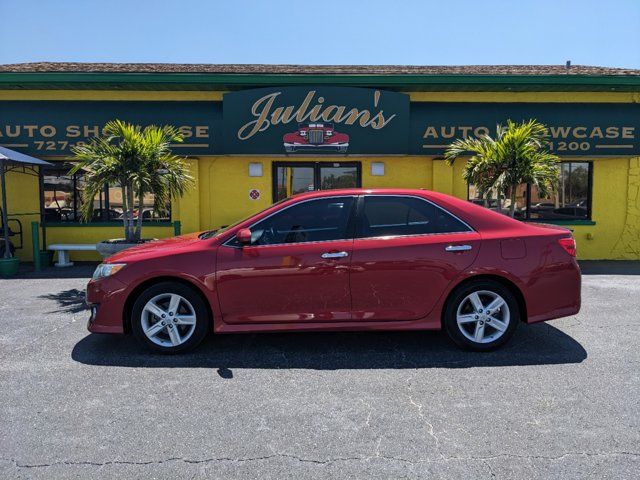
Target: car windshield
(214,233)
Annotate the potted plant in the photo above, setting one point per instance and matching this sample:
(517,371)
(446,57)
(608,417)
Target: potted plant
(518,155)
(138,160)
(8,263)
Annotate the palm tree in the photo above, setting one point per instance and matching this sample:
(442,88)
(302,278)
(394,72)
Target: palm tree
(518,155)
(140,161)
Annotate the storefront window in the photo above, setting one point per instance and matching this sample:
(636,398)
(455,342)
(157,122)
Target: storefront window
(291,178)
(63,197)
(570,201)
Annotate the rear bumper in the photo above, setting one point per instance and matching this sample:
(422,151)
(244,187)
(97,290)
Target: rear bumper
(555,293)
(106,299)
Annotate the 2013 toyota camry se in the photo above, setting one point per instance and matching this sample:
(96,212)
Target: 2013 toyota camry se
(343,260)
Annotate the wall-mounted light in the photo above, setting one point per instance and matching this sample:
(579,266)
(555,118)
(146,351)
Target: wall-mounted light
(377,169)
(255,169)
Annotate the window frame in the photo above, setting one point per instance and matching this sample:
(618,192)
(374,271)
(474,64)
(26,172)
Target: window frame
(61,169)
(351,224)
(576,220)
(360,209)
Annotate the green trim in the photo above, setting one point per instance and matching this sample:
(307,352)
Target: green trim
(178,81)
(563,222)
(104,224)
(177,228)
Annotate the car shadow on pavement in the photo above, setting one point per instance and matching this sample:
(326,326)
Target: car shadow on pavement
(539,344)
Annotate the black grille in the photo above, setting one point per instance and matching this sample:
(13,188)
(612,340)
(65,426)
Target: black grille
(316,136)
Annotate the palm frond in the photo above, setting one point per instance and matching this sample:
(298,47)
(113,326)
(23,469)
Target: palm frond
(139,159)
(518,154)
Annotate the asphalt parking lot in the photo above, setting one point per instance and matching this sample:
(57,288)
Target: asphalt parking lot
(562,400)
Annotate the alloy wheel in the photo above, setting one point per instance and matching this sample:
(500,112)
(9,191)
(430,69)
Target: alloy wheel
(483,316)
(168,320)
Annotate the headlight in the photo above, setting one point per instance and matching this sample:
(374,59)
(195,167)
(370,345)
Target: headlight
(107,269)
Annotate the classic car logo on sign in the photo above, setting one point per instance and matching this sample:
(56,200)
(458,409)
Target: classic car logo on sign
(319,137)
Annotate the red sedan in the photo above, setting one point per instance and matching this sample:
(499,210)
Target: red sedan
(343,260)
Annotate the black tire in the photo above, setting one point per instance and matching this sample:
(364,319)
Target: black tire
(202,320)
(459,297)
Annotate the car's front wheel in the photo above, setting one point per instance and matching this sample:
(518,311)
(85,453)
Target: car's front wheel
(170,317)
(481,315)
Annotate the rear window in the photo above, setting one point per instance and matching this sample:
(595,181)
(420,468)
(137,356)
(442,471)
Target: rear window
(397,215)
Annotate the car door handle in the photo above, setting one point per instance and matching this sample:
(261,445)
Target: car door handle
(457,248)
(334,255)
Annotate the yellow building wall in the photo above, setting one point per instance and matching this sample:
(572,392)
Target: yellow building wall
(23,204)
(142,95)
(399,172)
(220,195)
(225,186)
(627,244)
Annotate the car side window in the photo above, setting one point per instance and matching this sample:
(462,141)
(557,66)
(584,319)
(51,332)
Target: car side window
(318,220)
(400,215)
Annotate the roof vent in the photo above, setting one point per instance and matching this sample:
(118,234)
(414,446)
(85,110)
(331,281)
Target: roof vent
(568,64)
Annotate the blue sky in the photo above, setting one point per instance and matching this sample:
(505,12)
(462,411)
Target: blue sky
(445,32)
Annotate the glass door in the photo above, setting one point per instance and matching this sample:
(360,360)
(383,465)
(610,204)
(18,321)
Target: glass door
(291,178)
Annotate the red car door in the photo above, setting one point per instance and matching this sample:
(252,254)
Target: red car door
(296,268)
(407,250)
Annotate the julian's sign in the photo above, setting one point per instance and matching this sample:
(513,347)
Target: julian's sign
(315,120)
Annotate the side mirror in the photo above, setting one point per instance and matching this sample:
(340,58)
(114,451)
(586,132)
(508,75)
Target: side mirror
(244,236)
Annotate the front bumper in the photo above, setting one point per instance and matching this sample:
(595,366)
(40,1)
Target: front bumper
(106,298)
(296,147)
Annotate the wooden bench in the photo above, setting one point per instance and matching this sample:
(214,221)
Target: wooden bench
(63,250)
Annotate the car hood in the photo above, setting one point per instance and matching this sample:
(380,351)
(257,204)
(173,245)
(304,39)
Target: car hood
(155,248)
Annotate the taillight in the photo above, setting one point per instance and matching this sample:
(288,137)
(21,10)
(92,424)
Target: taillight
(569,245)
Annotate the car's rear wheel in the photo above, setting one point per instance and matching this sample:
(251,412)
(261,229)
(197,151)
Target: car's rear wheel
(481,315)
(170,317)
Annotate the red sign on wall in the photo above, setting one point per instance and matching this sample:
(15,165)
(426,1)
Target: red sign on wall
(254,194)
